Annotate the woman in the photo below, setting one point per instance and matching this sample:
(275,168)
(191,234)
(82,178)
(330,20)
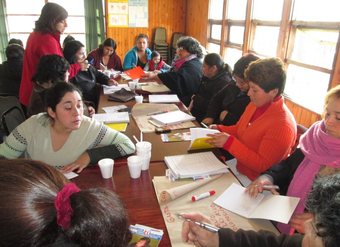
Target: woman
(318,153)
(216,75)
(87,78)
(266,132)
(105,57)
(63,137)
(227,106)
(44,40)
(40,207)
(138,55)
(323,231)
(184,79)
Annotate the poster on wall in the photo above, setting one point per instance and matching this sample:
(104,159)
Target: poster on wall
(128,13)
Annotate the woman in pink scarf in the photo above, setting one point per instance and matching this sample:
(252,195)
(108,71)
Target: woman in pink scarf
(318,154)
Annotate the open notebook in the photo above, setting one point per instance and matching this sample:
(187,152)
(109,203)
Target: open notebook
(169,118)
(198,138)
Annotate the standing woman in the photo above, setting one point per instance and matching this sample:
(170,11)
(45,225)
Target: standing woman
(44,40)
(105,57)
(138,55)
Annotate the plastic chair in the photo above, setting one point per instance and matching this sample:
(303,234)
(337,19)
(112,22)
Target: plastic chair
(174,39)
(160,44)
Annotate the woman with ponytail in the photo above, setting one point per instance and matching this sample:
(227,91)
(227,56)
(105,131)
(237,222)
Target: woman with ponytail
(40,207)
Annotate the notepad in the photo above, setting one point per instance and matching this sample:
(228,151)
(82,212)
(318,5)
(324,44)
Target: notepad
(116,117)
(163,98)
(194,165)
(199,136)
(270,207)
(169,118)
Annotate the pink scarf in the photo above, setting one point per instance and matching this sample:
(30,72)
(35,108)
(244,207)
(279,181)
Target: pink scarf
(319,149)
(180,61)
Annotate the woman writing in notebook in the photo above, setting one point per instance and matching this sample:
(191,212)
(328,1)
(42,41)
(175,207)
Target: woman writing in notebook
(266,132)
(63,137)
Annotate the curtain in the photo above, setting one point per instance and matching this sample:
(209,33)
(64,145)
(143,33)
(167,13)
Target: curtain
(94,23)
(3,30)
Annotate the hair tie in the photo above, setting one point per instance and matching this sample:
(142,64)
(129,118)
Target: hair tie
(63,205)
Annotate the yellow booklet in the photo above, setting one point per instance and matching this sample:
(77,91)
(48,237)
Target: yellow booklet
(118,126)
(199,137)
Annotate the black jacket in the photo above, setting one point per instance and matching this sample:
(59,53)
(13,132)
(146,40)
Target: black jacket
(10,77)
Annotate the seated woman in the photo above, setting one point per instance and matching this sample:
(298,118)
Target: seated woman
(266,131)
(86,79)
(51,69)
(11,70)
(40,207)
(318,153)
(227,106)
(216,75)
(323,231)
(138,55)
(63,137)
(105,57)
(185,76)
(157,64)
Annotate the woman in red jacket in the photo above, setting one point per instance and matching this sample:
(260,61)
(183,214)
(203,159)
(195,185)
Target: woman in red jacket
(44,40)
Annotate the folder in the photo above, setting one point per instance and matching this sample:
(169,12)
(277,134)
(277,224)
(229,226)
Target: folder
(135,73)
(199,137)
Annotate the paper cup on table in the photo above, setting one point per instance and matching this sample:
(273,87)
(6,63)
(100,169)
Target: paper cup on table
(143,146)
(132,85)
(106,167)
(145,160)
(139,98)
(144,151)
(135,166)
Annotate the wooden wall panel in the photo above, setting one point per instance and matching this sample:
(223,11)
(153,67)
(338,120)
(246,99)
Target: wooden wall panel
(302,115)
(162,13)
(197,20)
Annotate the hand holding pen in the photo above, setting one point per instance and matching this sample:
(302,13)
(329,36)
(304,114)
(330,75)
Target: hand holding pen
(263,182)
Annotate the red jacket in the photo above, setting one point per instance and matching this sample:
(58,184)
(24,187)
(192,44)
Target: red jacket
(38,45)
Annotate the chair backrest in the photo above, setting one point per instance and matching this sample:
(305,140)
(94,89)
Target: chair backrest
(160,35)
(11,113)
(300,130)
(175,37)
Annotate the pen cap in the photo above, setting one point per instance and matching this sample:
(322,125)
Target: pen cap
(203,195)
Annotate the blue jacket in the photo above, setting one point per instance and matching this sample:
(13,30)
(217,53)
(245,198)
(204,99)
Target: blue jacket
(131,58)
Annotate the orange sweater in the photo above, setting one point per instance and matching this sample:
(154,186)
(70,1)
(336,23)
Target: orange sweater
(264,142)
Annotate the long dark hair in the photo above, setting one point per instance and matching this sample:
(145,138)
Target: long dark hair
(51,14)
(108,42)
(71,49)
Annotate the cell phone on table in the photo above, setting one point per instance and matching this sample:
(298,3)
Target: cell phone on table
(159,130)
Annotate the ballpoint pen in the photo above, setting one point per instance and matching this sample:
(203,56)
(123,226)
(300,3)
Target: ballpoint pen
(204,125)
(268,187)
(206,226)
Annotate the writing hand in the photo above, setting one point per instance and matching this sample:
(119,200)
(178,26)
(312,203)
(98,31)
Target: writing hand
(257,186)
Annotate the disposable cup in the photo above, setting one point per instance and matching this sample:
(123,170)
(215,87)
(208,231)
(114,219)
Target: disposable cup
(143,146)
(132,85)
(139,98)
(145,162)
(135,166)
(106,167)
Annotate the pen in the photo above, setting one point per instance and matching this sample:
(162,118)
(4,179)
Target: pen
(204,125)
(268,187)
(203,195)
(206,226)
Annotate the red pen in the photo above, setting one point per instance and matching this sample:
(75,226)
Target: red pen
(203,195)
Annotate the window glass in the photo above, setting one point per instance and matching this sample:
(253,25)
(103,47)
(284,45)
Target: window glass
(265,40)
(321,42)
(74,7)
(27,23)
(216,32)
(316,10)
(24,7)
(75,25)
(307,87)
(236,34)
(236,9)
(213,48)
(231,55)
(215,9)
(269,10)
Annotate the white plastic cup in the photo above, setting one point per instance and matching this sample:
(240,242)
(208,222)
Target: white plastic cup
(135,166)
(145,160)
(106,167)
(132,85)
(143,146)
(139,98)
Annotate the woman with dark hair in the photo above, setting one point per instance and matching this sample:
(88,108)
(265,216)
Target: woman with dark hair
(227,106)
(62,136)
(86,79)
(216,75)
(40,207)
(11,70)
(105,57)
(139,55)
(185,75)
(266,132)
(44,40)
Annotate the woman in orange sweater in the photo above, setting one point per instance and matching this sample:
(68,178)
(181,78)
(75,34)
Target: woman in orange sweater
(266,132)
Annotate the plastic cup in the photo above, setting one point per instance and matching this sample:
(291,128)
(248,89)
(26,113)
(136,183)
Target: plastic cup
(143,146)
(145,160)
(135,166)
(106,167)
(139,98)
(132,85)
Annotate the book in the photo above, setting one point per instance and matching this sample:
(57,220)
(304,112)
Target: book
(123,95)
(176,137)
(145,235)
(163,98)
(169,118)
(199,136)
(195,165)
(116,117)
(271,207)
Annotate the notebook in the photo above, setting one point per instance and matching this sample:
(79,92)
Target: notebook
(170,118)
(196,165)
(198,138)
(163,98)
(116,117)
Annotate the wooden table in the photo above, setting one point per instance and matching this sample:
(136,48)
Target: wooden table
(138,195)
